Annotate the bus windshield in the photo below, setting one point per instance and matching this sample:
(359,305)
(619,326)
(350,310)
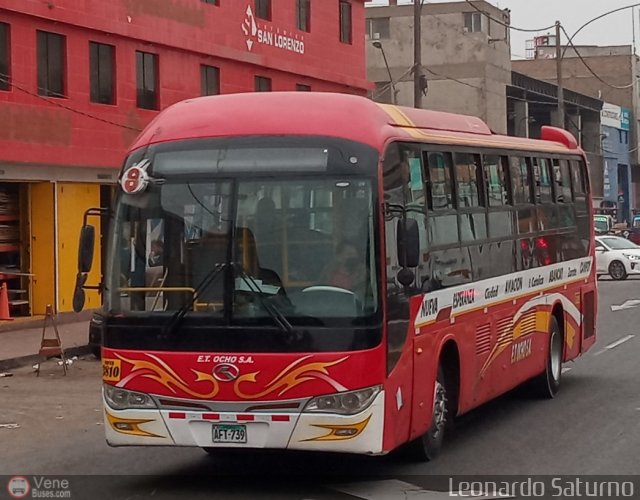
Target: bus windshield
(236,250)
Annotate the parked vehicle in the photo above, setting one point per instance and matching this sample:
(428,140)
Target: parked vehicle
(634,230)
(603,223)
(617,257)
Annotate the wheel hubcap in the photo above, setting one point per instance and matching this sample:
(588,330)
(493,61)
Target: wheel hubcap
(616,270)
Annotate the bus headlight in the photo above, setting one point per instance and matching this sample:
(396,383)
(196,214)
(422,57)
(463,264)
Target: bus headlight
(121,399)
(345,403)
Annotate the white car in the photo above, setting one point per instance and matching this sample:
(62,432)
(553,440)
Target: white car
(617,257)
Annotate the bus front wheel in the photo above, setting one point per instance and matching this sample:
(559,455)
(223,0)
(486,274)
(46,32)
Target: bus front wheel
(428,446)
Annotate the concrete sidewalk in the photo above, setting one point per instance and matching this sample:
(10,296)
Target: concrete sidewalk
(19,346)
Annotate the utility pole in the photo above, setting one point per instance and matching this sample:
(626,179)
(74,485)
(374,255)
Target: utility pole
(561,121)
(417,53)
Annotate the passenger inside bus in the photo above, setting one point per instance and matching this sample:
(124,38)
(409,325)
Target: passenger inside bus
(347,270)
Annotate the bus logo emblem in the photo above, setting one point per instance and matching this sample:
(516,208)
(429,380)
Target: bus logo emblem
(225,372)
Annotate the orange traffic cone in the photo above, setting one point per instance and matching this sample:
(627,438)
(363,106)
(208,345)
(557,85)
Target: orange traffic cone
(5,315)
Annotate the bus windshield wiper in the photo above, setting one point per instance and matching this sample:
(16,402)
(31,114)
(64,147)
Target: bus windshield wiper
(254,289)
(207,281)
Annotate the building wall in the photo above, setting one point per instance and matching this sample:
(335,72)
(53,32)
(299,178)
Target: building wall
(467,71)
(62,149)
(184,34)
(617,170)
(614,69)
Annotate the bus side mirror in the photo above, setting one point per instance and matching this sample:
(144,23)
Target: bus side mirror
(408,243)
(85,248)
(78,293)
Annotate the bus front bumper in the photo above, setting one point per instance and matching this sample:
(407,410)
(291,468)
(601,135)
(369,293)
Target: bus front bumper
(359,433)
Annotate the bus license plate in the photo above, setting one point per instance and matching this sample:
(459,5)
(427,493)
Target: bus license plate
(229,433)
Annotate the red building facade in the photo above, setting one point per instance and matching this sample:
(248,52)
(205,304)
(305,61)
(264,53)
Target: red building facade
(80,78)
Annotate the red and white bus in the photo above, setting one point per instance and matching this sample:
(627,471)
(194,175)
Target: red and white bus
(314,271)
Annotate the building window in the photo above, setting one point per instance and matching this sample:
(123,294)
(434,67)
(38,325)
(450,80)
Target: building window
(212,2)
(5,72)
(263,9)
(304,15)
(209,80)
(303,88)
(147,80)
(345,21)
(51,72)
(472,22)
(263,84)
(624,136)
(101,70)
(378,28)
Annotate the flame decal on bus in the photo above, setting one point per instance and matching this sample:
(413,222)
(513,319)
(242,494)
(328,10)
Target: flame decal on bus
(165,376)
(291,377)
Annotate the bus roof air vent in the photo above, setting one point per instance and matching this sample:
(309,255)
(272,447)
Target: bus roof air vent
(560,135)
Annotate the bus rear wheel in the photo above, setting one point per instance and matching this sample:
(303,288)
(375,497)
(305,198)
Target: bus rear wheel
(547,384)
(428,446)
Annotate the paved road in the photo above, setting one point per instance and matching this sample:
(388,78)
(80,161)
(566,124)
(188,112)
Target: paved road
(592,427)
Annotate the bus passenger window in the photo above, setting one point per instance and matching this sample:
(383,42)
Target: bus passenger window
(440,192)
(497,180)
(543,180)
(562,178)
(578,178)
(521,180)
(468,180)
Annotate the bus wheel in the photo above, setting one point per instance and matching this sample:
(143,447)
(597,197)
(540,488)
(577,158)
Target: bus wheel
(617,270)
(547,384)
(428,446)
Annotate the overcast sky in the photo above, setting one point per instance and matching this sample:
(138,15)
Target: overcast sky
(615,29)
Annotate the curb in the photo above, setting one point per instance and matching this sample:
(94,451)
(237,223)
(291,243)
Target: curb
(13,363)
(36,322)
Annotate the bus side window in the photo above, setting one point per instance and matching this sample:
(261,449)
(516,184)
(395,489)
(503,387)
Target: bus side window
(562,179)
(469,181)
(471,197)
(578,181)
(542,180)
(500,215)
(440,181)
(583,221)
(520,180)
(443,221)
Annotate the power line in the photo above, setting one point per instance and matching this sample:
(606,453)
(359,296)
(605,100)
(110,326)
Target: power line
(595,19)
(618,87)
(8,80)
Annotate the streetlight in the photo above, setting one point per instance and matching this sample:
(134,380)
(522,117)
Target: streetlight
(378,45)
